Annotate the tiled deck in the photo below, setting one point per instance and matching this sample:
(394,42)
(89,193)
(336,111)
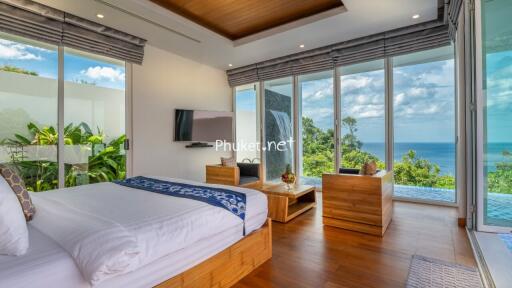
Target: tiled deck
(425,193)
(499,206)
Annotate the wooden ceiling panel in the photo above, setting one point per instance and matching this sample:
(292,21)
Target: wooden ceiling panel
(237,19)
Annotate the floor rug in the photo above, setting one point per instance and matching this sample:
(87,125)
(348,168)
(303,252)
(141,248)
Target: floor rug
(507,238)
(433,273)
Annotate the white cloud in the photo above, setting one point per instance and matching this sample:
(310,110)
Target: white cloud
(16,51)
(104,73)
(352,82)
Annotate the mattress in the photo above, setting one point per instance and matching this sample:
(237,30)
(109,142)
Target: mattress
(48,265)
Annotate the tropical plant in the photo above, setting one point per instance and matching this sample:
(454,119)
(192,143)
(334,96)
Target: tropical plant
(106,165)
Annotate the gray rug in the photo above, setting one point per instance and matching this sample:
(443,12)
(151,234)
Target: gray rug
(433,273)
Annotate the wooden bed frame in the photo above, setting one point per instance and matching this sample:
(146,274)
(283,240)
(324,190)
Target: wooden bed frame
(229,266)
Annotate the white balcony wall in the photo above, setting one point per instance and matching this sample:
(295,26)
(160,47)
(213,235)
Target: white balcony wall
(26,98)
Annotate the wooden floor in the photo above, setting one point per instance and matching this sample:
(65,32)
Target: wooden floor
(308,254)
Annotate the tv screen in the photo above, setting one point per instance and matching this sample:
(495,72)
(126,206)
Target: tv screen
(203,126)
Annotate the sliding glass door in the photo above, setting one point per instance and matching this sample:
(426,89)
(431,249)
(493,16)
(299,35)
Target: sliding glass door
(94,118)
(363,125)
(424,125)
(247,126)
(28,110)
(278,145)
(316,127)
(94,115)
(495,128)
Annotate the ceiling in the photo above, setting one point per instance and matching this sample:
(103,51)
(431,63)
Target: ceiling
(236,19)
(172,32)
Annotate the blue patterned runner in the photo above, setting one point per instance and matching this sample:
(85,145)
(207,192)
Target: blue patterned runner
(234,202)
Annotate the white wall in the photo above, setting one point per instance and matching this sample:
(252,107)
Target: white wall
(163,83)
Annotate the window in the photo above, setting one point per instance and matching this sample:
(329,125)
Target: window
(28,110)
(316,146)
(424,125)
(363,126)
(247,121)
(496,197)
(278,95)
(94,115)
(94,118)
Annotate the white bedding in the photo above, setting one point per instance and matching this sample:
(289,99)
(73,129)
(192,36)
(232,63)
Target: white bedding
(163,225)
(46,264)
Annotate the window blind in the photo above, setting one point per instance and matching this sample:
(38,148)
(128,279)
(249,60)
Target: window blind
(452,16)
(423,36)
(30,19)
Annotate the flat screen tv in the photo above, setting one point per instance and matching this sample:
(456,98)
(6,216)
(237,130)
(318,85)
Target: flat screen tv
(203,126)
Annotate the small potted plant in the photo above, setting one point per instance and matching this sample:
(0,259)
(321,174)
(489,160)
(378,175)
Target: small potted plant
(288,177)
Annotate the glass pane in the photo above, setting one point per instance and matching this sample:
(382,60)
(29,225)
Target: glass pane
(278,127)
(497,84)
(363,126)
(28,110)
(94,118)
(424,125)
(247,122)
(316,147)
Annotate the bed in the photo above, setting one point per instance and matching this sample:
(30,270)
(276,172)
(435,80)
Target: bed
(184,241)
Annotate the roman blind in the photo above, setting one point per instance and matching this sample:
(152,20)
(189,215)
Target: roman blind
(36,21)
(452,16)
(428,35)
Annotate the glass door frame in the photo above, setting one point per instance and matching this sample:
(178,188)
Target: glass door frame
(480,104)
(61,120)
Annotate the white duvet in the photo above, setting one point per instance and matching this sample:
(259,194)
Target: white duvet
(110,229)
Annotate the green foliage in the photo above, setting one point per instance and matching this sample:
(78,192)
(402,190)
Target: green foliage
(349,141)
(8,68)
(318,149)
(107,165)
(318,157)
(414,171)
(500,181)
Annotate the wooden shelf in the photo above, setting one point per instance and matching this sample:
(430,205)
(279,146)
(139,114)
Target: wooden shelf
(284,205)
(298,208)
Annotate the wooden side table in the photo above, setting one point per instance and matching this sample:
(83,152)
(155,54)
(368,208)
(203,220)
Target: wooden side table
(358,202)
(284,205)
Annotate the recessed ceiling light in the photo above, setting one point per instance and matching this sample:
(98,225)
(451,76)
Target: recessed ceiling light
(301,46)
(230,65)
(101,16)
(415,16)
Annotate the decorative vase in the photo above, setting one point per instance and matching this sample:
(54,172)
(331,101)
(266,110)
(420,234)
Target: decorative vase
(368,168)
(288,177)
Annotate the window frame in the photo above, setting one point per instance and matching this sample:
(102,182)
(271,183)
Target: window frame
(389,125)
(128,91)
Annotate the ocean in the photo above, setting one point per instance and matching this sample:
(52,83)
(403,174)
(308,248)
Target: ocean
(442,154)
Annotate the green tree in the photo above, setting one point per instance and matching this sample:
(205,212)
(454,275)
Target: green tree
(349,141)
(318,157)
(317,147)
(500,181)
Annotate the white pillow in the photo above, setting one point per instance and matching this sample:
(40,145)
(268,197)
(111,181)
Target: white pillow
(13,226)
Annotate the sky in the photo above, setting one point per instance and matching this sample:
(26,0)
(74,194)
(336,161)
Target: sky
(76,68)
